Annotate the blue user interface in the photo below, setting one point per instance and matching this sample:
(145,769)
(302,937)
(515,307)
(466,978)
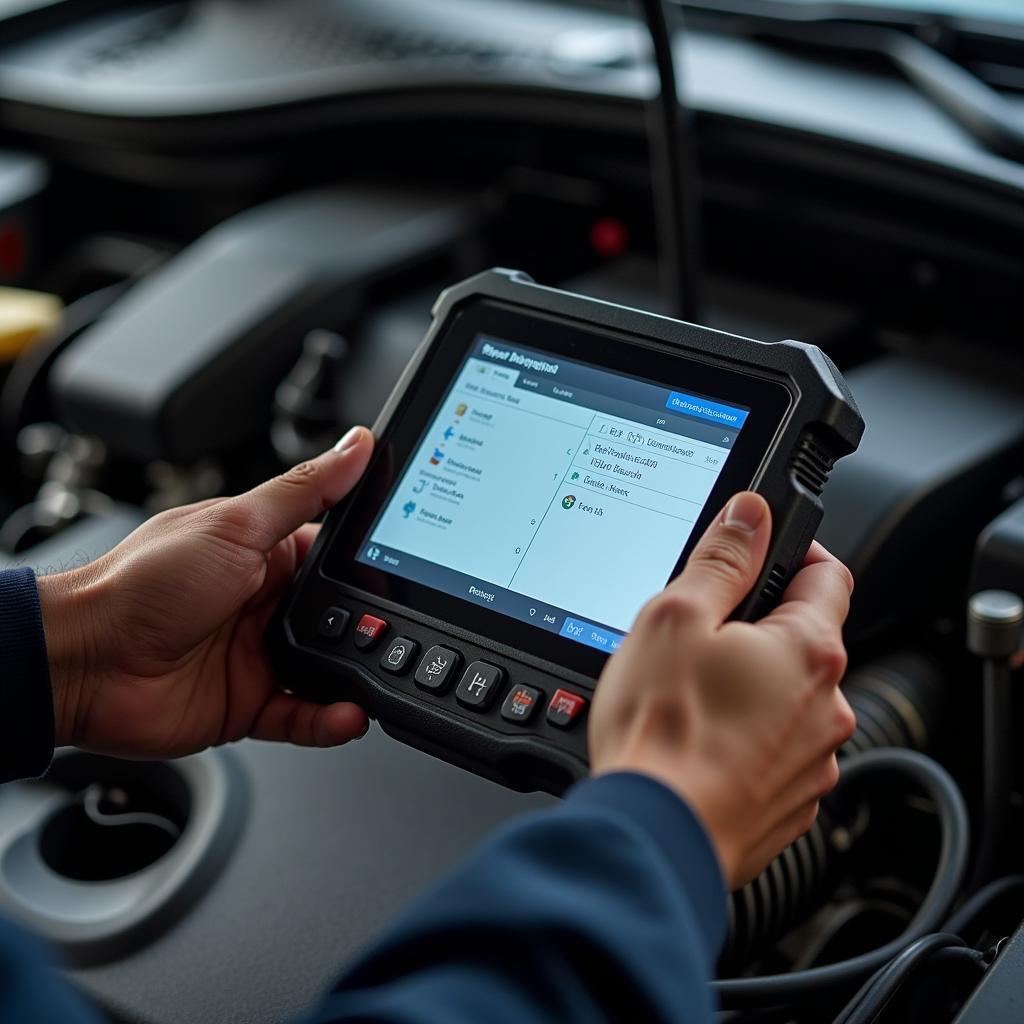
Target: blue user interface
(552,491)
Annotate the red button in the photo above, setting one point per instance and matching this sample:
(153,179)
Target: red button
(565,708)
(369,631)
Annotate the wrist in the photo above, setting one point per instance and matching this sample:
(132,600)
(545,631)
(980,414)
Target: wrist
(67,604)
(686,783)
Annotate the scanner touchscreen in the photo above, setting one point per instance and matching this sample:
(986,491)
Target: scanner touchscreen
(552,491)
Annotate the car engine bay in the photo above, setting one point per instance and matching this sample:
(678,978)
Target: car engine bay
(222,227)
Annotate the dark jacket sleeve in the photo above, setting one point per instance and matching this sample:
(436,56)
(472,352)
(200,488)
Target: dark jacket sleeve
(610,907)
(26,699)
(31,991)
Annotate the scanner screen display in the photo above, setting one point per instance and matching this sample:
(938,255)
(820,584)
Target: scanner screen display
(552,491)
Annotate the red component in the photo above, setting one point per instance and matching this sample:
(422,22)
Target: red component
(565,708)
(369,631)
(609,237)
(12,249)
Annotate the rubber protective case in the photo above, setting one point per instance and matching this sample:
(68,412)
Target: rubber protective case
(821,425)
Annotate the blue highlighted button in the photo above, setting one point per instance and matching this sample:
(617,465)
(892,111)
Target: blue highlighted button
(704,409)
(591,635)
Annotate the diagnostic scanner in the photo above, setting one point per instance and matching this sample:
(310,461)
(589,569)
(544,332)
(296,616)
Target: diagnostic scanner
(543,467)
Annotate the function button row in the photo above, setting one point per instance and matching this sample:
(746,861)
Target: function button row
(479,685)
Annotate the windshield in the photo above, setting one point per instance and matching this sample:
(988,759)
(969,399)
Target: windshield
(1002,10)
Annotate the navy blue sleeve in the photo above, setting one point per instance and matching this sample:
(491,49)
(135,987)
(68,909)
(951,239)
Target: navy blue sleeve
(26,699)
(610,907)
(31,992)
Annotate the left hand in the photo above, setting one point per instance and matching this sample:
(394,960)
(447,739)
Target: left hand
(156,648)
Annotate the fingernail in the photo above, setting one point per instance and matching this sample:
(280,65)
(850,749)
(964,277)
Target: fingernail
(745,511)
(350,440)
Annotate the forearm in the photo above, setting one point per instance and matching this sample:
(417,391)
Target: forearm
(609,907)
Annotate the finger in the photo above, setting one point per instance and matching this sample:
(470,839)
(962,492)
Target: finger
(727,559)
(305,537)
(288,719)
(819,594)
(817,552)
(270,512)
(282,564)
(820,565)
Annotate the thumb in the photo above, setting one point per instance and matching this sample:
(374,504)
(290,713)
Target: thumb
(277,508)
(726,562)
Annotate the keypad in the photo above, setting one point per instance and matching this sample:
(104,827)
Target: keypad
(441,670)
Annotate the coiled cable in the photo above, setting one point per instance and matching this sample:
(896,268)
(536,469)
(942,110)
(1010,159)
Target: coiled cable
(896,699)
(936,782)
(967,914)
(879,990)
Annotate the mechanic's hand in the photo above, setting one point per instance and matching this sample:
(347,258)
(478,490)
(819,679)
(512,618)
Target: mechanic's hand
(741,719)
(156,648)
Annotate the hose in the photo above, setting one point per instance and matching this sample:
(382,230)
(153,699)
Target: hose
(971,909)
(935,781)
(879,990)
(896,699)
(784,894)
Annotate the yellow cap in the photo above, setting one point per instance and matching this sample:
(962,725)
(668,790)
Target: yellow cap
(24,317)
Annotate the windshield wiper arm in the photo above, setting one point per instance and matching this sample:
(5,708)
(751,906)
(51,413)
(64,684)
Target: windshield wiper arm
(972,104)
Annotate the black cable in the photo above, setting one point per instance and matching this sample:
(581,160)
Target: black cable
(674,178)
(935,781)
(997,766)
(971,909)
(876,994)
(896,699)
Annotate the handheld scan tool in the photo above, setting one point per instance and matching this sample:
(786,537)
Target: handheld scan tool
(544,466)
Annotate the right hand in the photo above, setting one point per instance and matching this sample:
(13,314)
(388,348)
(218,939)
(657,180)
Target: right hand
(741,719)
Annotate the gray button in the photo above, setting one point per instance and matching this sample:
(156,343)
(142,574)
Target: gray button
(437,669)
(400,652)
(479,686)
(333,623)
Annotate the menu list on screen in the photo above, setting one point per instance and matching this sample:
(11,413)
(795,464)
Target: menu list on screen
(552,491)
